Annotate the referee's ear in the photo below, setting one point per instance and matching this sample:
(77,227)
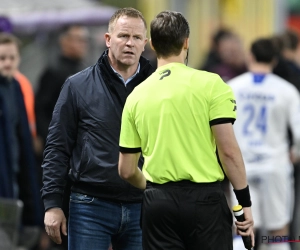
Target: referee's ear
(186,43)
(151,46)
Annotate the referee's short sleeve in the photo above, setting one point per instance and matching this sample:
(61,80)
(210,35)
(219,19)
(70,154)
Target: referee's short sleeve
(130,141)
(222,103)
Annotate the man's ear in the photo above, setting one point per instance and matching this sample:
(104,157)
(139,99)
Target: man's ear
(186,43)
(107,39)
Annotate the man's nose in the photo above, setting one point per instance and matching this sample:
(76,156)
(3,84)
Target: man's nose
(7,61)
(130,42)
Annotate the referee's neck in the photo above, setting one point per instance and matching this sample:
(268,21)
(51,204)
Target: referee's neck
(171,59)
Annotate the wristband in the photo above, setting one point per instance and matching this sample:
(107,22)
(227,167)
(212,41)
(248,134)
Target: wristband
(243,197)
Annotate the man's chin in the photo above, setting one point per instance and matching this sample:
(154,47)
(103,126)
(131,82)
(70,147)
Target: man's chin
(129,62)
(6,75)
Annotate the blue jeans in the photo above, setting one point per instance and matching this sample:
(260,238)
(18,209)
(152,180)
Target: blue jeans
(95,223)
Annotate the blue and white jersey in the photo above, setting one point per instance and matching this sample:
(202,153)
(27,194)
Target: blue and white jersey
(267,106)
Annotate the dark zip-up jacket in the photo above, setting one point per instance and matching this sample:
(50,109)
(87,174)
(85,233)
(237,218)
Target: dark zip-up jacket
(83,138)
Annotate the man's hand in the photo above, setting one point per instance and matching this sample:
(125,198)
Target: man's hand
(245,228)
(55,222)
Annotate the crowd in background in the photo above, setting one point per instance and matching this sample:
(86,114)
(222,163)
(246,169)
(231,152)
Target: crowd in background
(227,57)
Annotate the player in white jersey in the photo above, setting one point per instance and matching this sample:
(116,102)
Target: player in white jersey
(266,106)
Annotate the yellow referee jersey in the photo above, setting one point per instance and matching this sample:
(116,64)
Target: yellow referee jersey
(168,118)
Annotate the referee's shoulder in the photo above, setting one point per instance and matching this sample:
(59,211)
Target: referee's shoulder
(202,74)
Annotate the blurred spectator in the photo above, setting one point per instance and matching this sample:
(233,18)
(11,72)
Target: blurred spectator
(290,45)
(227,57)
(73,42)
(28,96)
(27,91)
(213,58)
(18,179)
(280,68)
(232,58)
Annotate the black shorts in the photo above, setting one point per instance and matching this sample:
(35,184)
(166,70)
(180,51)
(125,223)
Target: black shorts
(186,215)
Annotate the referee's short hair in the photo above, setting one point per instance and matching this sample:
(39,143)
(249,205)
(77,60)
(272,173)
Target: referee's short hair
(168,31)
(263,50)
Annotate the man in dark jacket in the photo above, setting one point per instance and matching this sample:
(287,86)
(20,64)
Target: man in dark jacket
(83,144)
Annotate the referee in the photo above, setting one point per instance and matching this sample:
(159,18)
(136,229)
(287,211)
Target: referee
(176,118)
